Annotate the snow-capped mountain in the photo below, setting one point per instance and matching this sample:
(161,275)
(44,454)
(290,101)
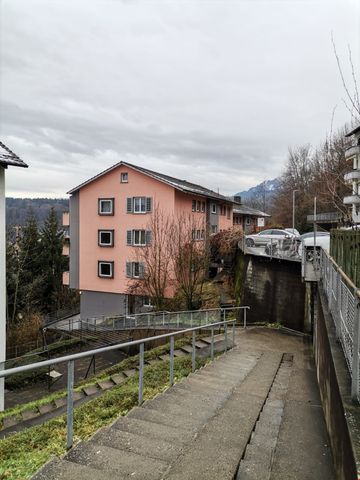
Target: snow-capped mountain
(268,187)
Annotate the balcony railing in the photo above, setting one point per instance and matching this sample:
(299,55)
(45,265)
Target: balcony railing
(66,250)
(352,200)
(66,219)
(353,175)
(352,151)
(66,278)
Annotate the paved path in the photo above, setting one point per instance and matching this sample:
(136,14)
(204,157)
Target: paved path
(252,414)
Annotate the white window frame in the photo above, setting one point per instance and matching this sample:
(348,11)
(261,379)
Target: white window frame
(100,243)
(133,269)
(214,229)
(104,262)
(142,202)
(193,206)
(139,244)
(101,201)
(213,208)
(147,302)
(248,221)
(124,177)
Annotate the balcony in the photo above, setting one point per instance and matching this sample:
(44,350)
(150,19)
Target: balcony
(66,249)
(350,176)
(352,200)
(66,278)
(66,232)
(66,219)
(352,151)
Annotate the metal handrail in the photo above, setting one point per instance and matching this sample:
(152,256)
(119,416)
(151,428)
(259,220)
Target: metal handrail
(70,359)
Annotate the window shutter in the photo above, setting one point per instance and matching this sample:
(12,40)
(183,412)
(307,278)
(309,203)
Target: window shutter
(141,270)
(129,237)
(129,205)
(128,269)
(148,237)
(148,204)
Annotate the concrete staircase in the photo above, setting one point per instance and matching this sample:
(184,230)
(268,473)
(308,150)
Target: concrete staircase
(201,428)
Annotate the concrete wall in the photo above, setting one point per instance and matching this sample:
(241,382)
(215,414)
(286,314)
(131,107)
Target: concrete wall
(96,304)
(74,240)
(335,387)
(274,291)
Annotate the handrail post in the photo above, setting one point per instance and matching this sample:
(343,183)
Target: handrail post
(70,405)
(148,320)
(163,315)
(212,344)
(171,361)
(141,373)
(233,333)
(193,359)
(245,310)
(178,320)
(191,319)
(355,360)
(226,339)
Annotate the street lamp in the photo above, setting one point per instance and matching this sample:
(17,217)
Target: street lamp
(293,211)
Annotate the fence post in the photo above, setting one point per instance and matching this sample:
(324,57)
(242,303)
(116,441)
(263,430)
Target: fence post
(207,318)
(233,333)
(148,319)
(191,319)
(171,361)
(70,405)
(141,373)
(355,360)
(225,333)
(212,344)
(178,319)
(163,315)
(245,309)
(193,359)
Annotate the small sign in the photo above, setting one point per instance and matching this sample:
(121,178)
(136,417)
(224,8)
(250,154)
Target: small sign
(261,222)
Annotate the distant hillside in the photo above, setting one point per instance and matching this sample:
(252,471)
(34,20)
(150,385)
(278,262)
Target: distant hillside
(268,187)
(17,209)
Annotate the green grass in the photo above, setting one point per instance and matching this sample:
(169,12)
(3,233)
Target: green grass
(24,453)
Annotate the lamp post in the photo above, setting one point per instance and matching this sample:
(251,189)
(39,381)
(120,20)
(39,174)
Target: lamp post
(7,158)
(293,210)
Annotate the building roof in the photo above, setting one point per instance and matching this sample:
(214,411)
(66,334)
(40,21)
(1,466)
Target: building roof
(7,157)
(182,185)
(245,210)
(355,130)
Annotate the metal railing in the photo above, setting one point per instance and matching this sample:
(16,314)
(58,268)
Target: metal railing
(282,249)
(70,360)
(181,319)
(344,304)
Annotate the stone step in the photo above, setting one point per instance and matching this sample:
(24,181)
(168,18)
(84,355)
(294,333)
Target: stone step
(249,470)
(130,372)
(153,430)
(263,440)
(90,390)
(118,378)
(121,465)
(177,421)
(179,353)
(106,384)
(253,452)
(141,445)
(64,470)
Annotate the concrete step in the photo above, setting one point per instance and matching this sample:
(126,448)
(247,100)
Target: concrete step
(250,470)
(139,444)
(122,464)
(63,470)
(153,430)
(168,419)
(253,452)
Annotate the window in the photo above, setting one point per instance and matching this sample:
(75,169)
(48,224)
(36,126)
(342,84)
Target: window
(124,177)
(193,208)
(193,234)
(202,234)
(138,237)
(106,269)
(203,206)
(134,269)
(213,208)
(214,228)
(248,221)
(198,234)
(106,238)
(147,302)
(106,206)
(198,206)
(228,212)
(138,204)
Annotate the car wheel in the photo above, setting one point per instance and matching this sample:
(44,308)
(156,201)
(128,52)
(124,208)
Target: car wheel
(249,242)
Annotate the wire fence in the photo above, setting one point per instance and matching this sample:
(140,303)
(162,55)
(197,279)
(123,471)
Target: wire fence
(344,304)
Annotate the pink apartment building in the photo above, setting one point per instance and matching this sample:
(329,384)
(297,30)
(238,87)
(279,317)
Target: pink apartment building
(108,220)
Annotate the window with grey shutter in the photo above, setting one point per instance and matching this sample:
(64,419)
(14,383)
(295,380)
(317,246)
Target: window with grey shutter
(148,204)
(129,269)
(129,205)
(148,238)
(129,239)
(141,270)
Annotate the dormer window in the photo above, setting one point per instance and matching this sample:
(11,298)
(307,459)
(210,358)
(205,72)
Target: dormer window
(124,177)
(106,206)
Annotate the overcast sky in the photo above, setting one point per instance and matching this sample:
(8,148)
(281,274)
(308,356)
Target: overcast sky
(210,91)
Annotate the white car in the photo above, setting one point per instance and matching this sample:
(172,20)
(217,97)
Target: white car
(265,237)
(294,231)
(307,240)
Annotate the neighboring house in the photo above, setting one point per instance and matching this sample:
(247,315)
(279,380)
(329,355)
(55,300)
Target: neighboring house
(353,177)
(109,214)
(248,219)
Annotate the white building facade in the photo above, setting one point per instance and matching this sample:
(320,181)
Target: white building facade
(353,177)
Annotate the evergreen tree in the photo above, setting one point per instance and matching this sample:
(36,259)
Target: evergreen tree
(52,263)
